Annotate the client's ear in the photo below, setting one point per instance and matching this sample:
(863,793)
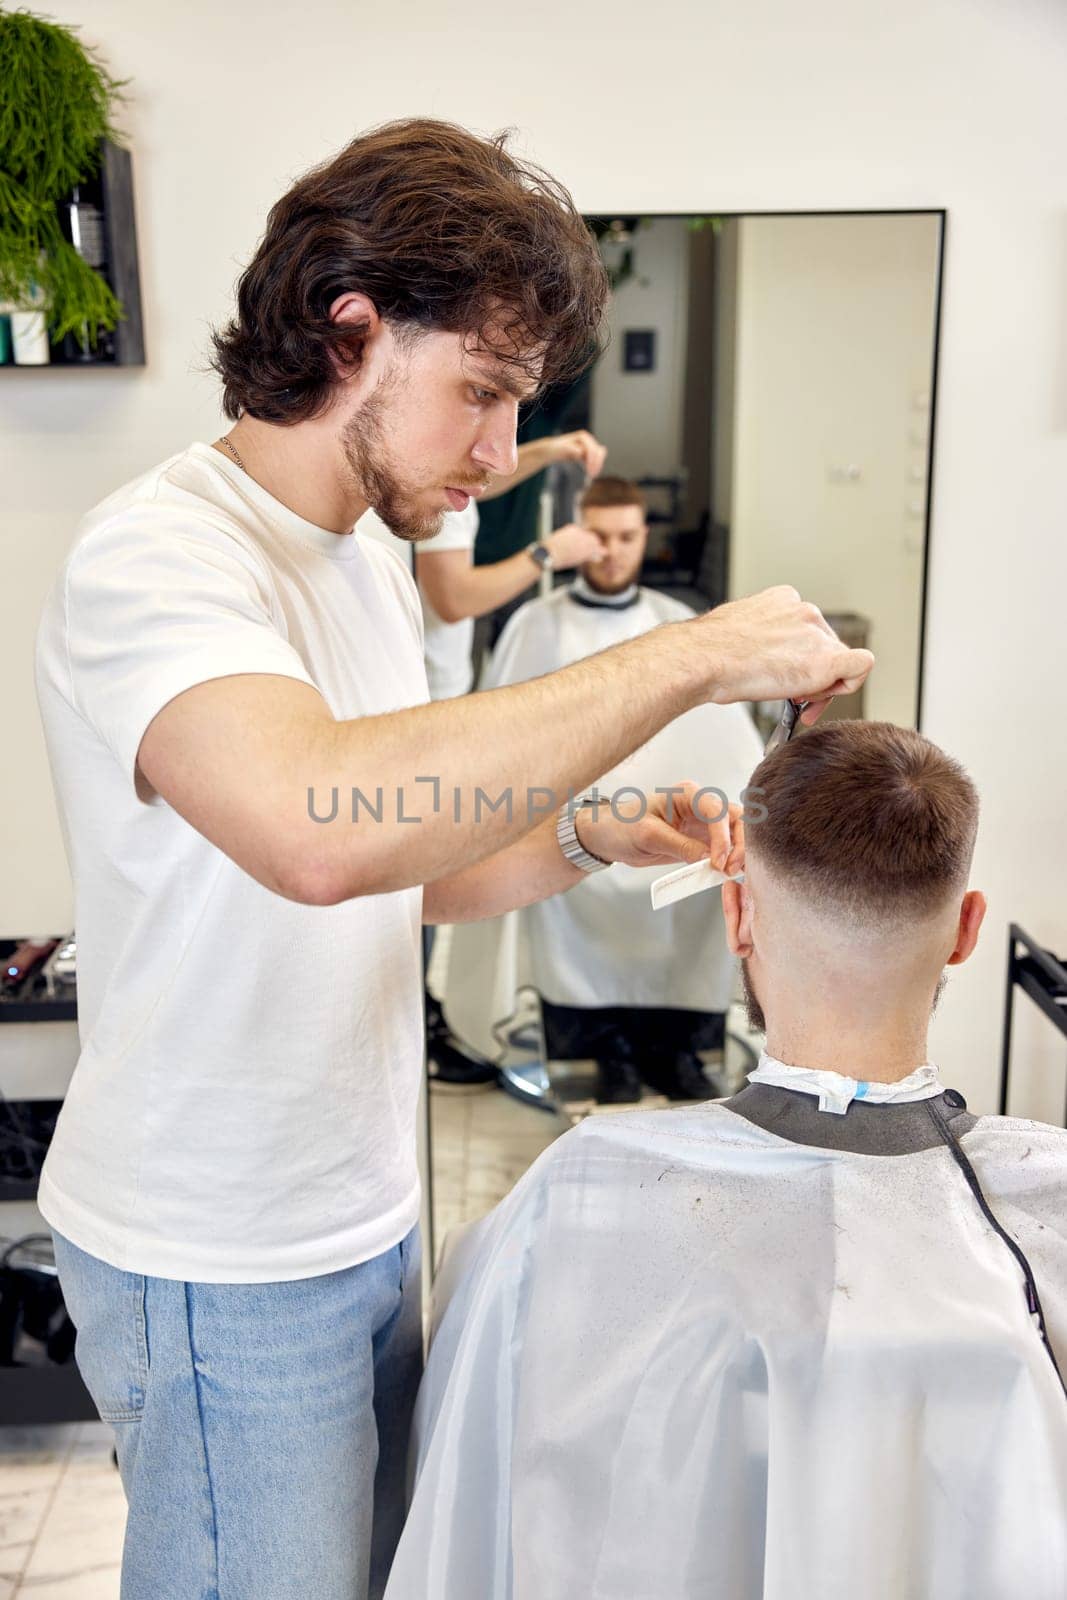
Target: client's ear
(972,913)
(734,911)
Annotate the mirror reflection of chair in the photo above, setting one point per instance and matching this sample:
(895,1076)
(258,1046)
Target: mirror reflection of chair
(522,1067)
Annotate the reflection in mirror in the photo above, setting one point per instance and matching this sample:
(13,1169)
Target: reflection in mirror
(766,401)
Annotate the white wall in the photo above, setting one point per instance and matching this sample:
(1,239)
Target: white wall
(702,106)
(833,363)
(638,415)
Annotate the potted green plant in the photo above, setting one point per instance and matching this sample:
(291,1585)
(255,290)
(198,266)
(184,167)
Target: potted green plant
(56,103)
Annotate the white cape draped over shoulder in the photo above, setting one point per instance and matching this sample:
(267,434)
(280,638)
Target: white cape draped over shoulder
(687,1357)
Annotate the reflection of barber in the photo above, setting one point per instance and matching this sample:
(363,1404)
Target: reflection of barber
(454,591)
(637,990)
(509,522)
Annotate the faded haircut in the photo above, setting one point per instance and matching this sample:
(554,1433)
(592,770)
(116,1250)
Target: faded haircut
(866,819)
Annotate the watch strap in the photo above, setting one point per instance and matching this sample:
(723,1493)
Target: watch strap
(571,845)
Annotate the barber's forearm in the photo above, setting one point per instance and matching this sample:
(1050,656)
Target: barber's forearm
(533,457)
(540,738)
(532,869)
(483,589)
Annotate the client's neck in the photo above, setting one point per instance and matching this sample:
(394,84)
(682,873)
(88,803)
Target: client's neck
(876,1040)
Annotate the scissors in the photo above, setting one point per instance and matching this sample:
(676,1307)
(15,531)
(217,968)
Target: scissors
(787,725)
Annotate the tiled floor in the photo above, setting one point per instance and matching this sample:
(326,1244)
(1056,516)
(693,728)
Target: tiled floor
(62,1514)
(482,1143)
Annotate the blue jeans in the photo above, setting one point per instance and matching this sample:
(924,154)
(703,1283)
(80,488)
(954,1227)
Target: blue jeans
(261,1428)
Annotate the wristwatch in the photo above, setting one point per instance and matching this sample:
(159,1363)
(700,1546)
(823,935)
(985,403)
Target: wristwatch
(569,843)
(540,555)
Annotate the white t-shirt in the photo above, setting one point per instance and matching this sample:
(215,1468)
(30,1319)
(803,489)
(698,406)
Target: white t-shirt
(448,645)
(243,1109)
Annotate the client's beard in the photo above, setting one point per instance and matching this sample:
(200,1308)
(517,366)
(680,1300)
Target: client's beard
(363,442)
(754,1011)
(616,586)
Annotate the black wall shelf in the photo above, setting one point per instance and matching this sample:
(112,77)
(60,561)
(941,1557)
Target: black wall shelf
(111,192)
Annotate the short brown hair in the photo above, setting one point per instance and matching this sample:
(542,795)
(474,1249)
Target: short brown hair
(611,492)
(441,229)
(866,817)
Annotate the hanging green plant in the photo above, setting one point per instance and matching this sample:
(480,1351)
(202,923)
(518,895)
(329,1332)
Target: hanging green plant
(56,101)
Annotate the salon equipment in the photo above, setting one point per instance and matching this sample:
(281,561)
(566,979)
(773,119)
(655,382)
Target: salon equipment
(60,970)
(39,1381)
(34,1325)
(787,725)
(24,960)
(1042,976)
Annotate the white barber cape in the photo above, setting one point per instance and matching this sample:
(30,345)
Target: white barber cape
(601,944)
(690,1359)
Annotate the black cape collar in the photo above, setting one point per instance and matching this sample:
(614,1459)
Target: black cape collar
(582,595)
(875,1130)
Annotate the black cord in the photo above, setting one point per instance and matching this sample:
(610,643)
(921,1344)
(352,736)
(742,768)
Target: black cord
(11,1245)
(18,1142)
(1033,1299)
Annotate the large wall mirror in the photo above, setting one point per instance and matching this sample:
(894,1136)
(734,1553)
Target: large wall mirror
(769,387)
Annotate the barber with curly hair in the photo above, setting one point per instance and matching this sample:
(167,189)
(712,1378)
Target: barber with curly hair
(261,809)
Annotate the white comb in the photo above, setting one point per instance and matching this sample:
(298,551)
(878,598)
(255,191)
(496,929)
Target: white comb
(693,878)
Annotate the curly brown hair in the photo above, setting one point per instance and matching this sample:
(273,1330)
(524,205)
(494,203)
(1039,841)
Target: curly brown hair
(441,229)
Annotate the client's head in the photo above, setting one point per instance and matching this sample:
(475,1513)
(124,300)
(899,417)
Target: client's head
(614,509)
(855,896)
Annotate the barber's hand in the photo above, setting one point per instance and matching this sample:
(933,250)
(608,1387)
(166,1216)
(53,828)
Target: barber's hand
(579,446)
(683,826)
(572,546)
(774,646)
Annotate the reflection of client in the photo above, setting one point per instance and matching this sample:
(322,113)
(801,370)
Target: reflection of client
(638,991)
(453,591)
(796,1345)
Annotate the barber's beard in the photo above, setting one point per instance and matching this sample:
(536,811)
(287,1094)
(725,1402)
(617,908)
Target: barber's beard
(363,442)
(754,1011)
